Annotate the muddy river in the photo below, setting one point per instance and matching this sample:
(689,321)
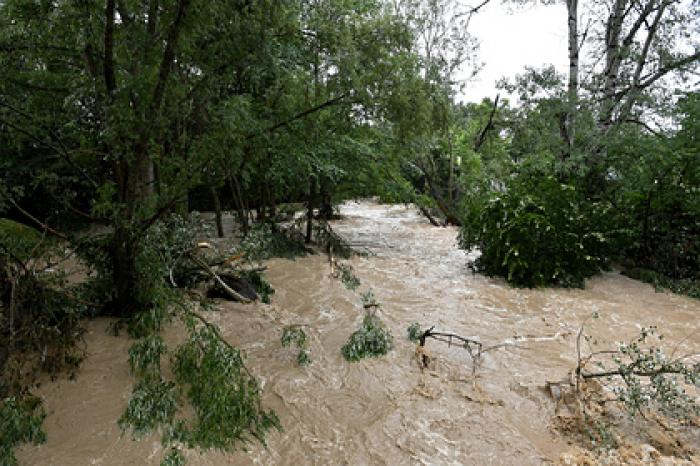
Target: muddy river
(385,410)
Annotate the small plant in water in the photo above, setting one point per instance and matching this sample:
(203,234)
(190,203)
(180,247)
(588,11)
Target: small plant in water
(295,335)
(599,433)
(372,339)
(262,286)
(414,332)
(348,277)
(368,299)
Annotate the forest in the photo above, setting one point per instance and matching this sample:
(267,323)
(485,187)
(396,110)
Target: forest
(121,120)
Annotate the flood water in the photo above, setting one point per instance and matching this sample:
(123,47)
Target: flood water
(385,410)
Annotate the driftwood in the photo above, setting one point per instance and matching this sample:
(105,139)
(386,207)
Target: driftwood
(224,286)
(240,284)
(473,347)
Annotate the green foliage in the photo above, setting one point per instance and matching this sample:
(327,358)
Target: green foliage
(152,404)
(414,332)
(165,249)
(40,330)
(372,339)
(657,191)
(224,395)
(661,282)
(20,422)
(267,240)
(40,321)
(348,277)
(211,377)
(540,232)
(599,433)
(303,358)
(643,377)
(653,379)
(368,299)
(295,335)
(145,355)
(262,286)
(162,257)
(18,239)
(331,241)
(173,458)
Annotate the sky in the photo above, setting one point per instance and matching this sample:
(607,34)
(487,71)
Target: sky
(511,38)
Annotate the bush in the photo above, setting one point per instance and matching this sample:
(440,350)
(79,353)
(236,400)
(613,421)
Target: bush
(539,232)
(372,339)
(414,332)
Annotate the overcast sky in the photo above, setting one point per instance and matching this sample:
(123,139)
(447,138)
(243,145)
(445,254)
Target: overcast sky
(511,39)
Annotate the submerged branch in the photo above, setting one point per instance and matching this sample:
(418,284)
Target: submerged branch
(230,291)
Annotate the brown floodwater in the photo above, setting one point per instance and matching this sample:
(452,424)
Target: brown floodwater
(384,410)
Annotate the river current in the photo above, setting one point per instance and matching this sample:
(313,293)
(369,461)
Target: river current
(386,410)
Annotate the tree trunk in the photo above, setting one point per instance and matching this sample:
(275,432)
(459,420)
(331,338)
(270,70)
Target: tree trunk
(272,206)
(124,303)
(326,210)
(450,181)
(310,209)
(217,211)
(572,9)
(241,209)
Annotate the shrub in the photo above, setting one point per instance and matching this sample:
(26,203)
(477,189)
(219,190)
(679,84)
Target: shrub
(539,232)
(414,332)
(19,239)
(372,339)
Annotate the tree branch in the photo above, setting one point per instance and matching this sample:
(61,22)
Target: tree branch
(37,221)
(230,291)
(489,126)
(301,115)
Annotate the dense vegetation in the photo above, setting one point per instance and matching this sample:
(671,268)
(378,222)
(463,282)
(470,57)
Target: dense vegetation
(118,118)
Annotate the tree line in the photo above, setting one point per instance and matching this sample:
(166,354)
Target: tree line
(116,116)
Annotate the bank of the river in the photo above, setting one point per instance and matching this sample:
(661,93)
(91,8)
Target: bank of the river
(386,410)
